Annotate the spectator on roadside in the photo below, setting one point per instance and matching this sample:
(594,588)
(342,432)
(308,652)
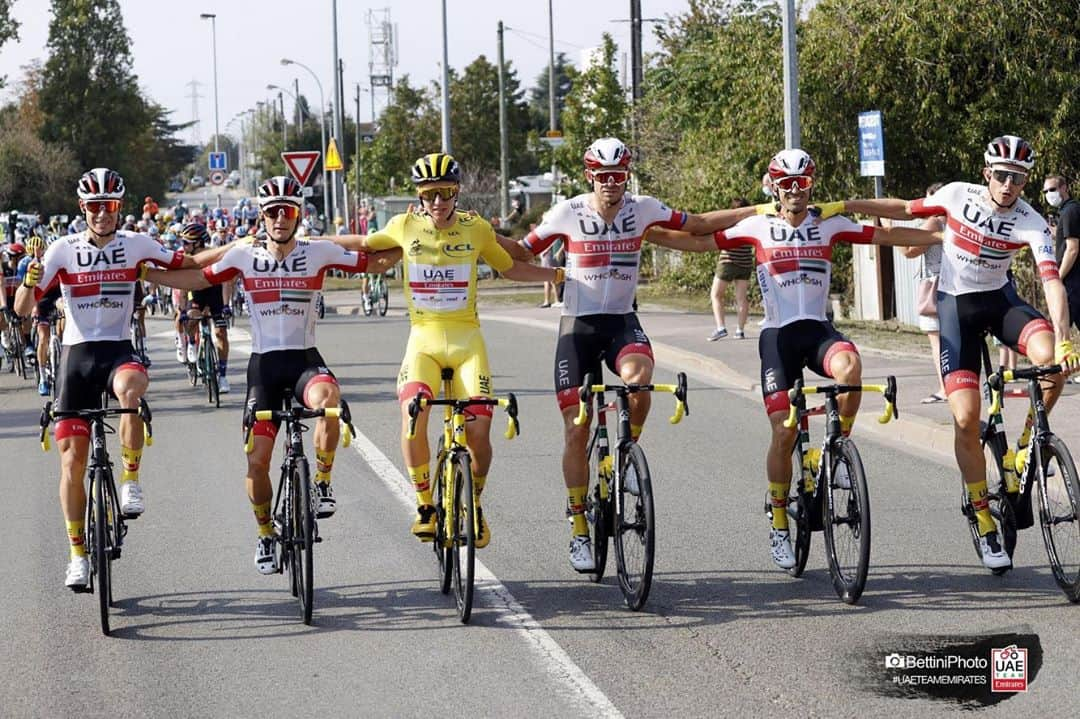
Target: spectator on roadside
(1067,238)
(929,268)
(550,258)
(150,207)
(734,265)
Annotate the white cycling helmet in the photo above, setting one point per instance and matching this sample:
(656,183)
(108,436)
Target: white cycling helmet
(1009,150)
(791,163)
(607,153)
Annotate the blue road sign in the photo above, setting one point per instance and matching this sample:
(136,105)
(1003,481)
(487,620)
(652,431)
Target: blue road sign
(218,161)
(871,144)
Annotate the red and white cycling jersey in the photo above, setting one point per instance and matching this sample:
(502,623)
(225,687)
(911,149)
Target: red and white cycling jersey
(979,242)
(281,293)
(601,260)
(98,283)
(794,263)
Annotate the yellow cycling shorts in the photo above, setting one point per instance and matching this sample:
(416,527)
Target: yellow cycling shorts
(447,345)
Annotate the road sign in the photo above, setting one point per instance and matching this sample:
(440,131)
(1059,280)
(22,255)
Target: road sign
(301,163)
(553,140)
(307,191)
(871,144)
(333,159)
(217,177)
(218,161)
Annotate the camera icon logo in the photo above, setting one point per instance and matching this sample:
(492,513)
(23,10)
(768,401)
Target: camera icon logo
(895,661)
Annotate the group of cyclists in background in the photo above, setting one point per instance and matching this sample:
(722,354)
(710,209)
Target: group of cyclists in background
(260,247)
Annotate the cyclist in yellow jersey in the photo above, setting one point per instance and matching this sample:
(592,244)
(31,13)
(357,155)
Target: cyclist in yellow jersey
(441,248)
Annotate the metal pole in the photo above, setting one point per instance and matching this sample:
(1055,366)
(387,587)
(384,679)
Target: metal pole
(551,97)
(792,131)
(284,123)
(333,183)
(322,131)
(339,112)
(299,113)
(341,133)
(445,86)
(504,141)
(213,43)
(356,196)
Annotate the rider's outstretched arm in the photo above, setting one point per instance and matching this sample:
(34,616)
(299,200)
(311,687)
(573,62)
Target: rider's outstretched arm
(906,236)
(891,207)
(524,272)
(682,241)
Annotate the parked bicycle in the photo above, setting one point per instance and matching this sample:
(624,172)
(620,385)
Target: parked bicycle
(619,503)
(828,487)
(452,488)
(377,296)
(105,524)
(295,502)
(1043,462)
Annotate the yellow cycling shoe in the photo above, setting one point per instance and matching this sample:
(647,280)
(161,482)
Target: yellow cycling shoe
(484,535)
(424,524)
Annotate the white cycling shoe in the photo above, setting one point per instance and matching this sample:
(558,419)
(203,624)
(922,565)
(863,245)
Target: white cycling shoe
(78,573)
(266,560)
(131,499)
(782,553)
(994,555)
(581,555)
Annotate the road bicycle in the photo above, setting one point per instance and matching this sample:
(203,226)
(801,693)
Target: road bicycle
(295,502)
(452,488)
(1043,462)
(205,366)
(238,302)
(15,346)
(619,503)
(828,487)
(320,305)
(138,339)
(105,524)
(377,295)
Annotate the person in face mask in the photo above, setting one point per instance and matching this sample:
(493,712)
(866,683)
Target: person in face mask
(1067,238)
(766,186)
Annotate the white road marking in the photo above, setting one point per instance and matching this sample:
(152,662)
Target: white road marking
(494,595)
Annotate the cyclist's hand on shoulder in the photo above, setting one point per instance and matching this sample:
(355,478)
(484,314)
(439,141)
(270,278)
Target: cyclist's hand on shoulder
(825,210)
(1066,356)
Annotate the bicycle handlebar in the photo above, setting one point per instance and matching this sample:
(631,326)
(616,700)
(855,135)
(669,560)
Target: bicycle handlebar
(341,413)
(997,381)
(797,392)
(588,389)
(48,414)
(509,403)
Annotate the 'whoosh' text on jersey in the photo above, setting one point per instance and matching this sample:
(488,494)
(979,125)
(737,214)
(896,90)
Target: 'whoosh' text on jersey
(980,243)
(281,292)
(98,283)
(602,259)
(794,263)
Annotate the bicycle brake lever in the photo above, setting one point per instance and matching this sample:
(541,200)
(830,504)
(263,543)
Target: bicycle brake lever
(680,393)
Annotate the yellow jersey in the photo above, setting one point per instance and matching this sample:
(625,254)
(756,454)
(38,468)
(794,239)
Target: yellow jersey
(440,265)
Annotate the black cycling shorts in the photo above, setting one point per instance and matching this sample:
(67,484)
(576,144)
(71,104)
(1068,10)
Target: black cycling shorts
(88,368)
(273,376)
(45,309)
(586,341)
(963,321)
(212,298)
(784,351)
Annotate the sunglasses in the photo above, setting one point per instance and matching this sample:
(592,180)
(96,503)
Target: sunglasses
(446,193)
(790,184)
(96,206)
(611,177)
(1018,178)
(1050,189)
(289,212)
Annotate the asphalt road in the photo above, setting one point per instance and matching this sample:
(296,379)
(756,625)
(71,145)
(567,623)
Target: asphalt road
(199,633)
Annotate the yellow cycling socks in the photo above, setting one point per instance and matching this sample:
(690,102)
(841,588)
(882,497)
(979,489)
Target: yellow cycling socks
(846,423)
(131,460)
(75,538)
(635,431)
(977,496)
(778,498)
(324,464)
(576,506)
(262,517)
(421,479)
(478,482)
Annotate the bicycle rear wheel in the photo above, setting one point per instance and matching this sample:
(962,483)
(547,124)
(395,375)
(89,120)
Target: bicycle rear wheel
(598,510)
(19,356)
(302,541)
(635,529)
(210,370)
(464,539)
(798,509)
(1059,515)
(441,543)
(1000,508)
(384,298)
(54,362)
(101,545)
(846,521)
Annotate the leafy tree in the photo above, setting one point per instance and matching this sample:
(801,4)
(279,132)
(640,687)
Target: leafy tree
(408,128)
(9,28)
(34,175)
(596,107)
(474,117)
(539,102)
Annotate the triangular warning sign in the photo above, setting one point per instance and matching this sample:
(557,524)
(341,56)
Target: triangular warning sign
(333,159)
(301,163)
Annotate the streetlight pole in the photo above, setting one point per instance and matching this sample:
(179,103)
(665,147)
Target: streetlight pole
(445,87)
(322,132)
(296,102)
(213,42)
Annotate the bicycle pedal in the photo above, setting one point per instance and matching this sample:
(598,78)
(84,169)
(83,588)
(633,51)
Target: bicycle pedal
(115,553)
(84,589)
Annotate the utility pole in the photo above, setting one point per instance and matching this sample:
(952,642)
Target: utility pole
(194,85)
(792,131)
(335,115)
(445,87)
(356,197)
(284,122)
(344,155)
(299,112)
(504,141)
(551,99)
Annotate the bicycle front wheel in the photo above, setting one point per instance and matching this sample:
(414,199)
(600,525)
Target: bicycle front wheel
(463,525)
(302,543)
(635,529)
(1059,515)
(598,510)
(846,521)
(1000,508)
(798,509)
(210,369)
(101,546)
(384,299)
(443,505)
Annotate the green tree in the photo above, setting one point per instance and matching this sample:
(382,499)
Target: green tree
(408,128)
(474,118)
(596,107)
(9,29)
(539,100)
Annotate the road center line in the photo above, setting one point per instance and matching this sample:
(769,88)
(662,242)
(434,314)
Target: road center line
(494,595)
